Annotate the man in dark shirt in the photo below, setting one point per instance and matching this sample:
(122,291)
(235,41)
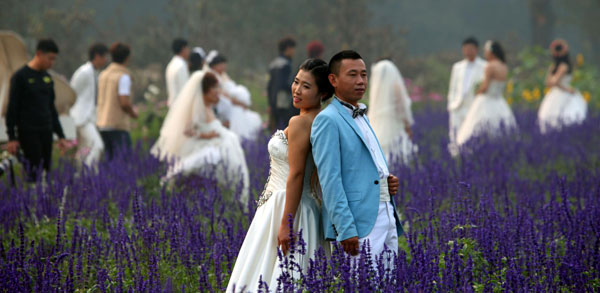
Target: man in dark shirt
(32,117)
(279,89)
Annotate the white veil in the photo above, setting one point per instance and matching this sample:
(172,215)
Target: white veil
(389,102)
(188,110)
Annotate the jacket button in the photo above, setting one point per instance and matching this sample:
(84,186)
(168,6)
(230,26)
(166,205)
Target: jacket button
(376,182)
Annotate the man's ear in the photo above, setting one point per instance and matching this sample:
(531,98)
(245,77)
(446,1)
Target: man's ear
(332,79)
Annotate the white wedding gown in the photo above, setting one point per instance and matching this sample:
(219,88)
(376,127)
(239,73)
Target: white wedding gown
(244,122)
(223,154)
(561,108)
(389,111)
(258,254)
(489,114)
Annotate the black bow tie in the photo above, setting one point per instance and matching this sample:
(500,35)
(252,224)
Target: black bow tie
(355,111)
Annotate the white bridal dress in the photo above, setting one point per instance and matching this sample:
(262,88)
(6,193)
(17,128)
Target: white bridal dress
(258,254)
(389,111)
(561,108)
(221,156)
(489,114)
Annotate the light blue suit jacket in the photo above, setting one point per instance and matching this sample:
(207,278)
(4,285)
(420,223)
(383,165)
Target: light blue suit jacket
(347,174)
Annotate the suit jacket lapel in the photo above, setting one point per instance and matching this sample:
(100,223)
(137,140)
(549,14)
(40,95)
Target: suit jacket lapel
(348,118)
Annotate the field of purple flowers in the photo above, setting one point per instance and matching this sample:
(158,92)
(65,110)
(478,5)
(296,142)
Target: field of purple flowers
(518,214)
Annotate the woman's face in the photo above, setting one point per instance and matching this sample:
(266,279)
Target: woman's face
(212,96)
(220,68)
(305,91)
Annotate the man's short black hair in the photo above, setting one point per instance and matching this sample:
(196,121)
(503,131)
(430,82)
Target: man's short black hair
(97,49)
(47,46)
(471,41)
(286,42)
(119,52)
(178,45)
(336,60)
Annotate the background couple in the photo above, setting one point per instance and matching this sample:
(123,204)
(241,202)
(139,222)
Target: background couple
(353,177)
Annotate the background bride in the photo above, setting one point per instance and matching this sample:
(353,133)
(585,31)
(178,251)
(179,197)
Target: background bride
(197,141)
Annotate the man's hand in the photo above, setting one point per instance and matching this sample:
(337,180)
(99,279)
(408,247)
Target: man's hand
(12,147)
(134,112)
(351,245)
(393,184)
(63,145)
(408,131)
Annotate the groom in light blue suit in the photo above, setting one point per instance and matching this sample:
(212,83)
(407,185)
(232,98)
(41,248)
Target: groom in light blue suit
(358,206)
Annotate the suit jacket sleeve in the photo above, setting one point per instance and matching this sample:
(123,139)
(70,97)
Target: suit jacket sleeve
(56,127)
(452,86)
(327,155)
(13,107)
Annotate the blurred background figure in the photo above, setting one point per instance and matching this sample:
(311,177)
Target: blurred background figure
(197,59)
(280,82)
(114,101)
(315,49)
(562,105)
(32,117)
(177,72)
(193,136)
(466,75)
(85,83)
(217,65)
(490,114)
(389,112)
(235,100)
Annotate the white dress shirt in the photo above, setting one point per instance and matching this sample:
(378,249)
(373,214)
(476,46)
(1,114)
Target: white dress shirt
(84,82)
(177,74)
(466,88)
(372,143)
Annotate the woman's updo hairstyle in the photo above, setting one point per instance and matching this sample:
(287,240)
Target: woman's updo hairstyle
(496,49)
(320,71)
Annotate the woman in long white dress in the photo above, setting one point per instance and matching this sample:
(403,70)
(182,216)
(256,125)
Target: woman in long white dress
(562,105)
(196,141)
(290,191)
(490,114)
(390,113)
(244,122)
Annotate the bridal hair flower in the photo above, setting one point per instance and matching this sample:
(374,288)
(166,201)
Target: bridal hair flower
(559,47)
(488,45)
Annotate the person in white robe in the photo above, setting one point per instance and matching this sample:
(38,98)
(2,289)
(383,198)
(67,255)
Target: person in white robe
(85,83)
(177,72)
(466,75)
(235,101)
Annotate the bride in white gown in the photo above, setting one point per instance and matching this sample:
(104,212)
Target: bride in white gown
(390,113)
(290,190)
(562,105)
(196,140)
(243,122)
(489,114)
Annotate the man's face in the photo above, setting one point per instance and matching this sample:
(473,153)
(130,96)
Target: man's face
(185,53)
(290,52)
(351,81)
(46,59)
(469,51)
(100,61)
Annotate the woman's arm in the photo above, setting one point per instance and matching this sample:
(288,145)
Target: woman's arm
(487,76)
(554,79)
(298,149)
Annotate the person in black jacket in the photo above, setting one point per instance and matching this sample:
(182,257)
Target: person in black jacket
(32,118)
(280,86)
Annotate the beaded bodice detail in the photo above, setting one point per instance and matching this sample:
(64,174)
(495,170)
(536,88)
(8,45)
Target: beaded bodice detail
(280,168)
